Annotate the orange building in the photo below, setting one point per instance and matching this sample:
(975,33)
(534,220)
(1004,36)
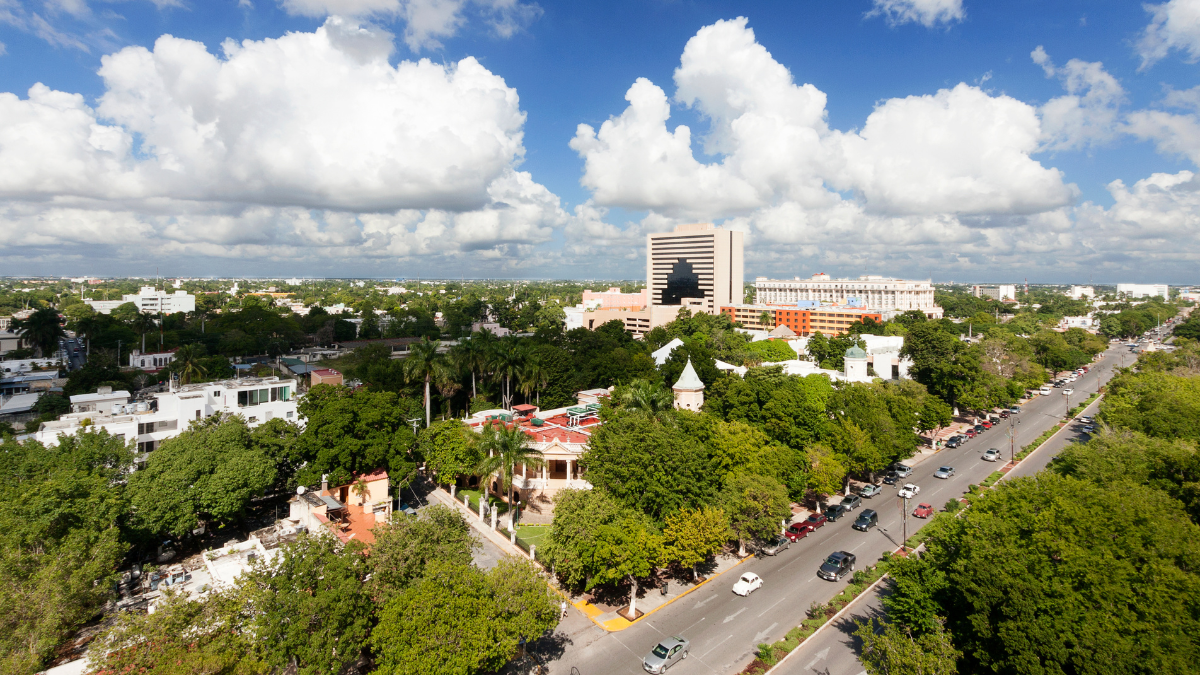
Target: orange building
(829,320)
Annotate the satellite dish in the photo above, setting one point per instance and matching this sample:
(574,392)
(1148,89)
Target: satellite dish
(300,490)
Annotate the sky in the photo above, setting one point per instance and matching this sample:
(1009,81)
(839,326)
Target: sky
(959,140)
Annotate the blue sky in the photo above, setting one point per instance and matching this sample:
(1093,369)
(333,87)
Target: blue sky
(929,140)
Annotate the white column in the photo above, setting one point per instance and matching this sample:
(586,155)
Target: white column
(482,501)
(570,467)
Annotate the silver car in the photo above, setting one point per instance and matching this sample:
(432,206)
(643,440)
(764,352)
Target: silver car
(665,654)
(944,472)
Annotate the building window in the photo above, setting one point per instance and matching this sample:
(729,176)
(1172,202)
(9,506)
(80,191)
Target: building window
(289,414)
(197,414)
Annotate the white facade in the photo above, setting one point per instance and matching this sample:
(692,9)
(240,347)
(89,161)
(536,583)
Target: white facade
(1078,292)
(1002,292)
(101,402)
(149,300)
(875,292)
(701,261)
(150,423)
(150,361)
(1144,290)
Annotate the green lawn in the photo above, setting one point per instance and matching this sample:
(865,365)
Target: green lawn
(533,534)
(493,500)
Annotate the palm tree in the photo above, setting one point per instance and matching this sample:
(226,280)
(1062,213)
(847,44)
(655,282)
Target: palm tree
(202,314)
(187,362)
(534,376)
(503,448)
(361,490)
(142,324)
(646,397)
(507,362)
(425,363)
(42,330)
(467,356)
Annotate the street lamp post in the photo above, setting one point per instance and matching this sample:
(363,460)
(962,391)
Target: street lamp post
(1067,400)
(904,519)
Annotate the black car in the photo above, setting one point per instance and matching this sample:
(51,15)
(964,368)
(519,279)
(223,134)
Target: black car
(979,428)
(835,511)
(890,478)
(852,502)
(953,442)
(836,566)
(866,520)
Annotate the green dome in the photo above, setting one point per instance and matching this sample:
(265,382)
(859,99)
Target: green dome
(855,353)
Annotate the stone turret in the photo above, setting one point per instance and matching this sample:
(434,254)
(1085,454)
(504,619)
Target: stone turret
(856,364)
(689,390)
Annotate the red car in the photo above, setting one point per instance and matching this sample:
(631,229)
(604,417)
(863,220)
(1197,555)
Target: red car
(969,433)
(923,511)
(814,521)
(987,424)
(797,531)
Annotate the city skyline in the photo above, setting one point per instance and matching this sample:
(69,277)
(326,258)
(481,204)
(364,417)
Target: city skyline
(942,139)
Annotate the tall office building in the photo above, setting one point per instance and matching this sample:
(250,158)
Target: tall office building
(694,263)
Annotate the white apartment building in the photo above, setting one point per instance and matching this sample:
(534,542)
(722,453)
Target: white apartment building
(1144,290)
(149,300)
(887,294)
(168,414)
(1001,292)
(1078,292)
(702,262)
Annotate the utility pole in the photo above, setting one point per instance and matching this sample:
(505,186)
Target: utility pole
(904,519)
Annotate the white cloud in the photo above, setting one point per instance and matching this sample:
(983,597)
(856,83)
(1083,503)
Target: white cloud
(1173,25)
(426,22)
(1173,134)
(306,147)
(960,151)
(928,13)
(1088,115)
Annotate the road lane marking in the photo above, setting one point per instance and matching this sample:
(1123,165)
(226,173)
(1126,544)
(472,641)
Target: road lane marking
(704,602)
(734,615)
(820,657)
(655,628)
(758,637)
(773,605)
(714,646)
(694,624)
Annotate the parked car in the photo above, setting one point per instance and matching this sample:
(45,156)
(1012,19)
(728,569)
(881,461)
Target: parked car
(749,583)
(797,531)
(815,520)
(1088,428)
(902,470)
(867,491)
(986,424)
(909,491)
(665,654)
(851,502)
(923,511)
(979,428)
(866,520)
(890,478)
(1004,414)
(835,511)
(953,442)
(1016,409)
(944,472)
(836,566)
(1086,420)
(992,455)
(970,433)
(777,545)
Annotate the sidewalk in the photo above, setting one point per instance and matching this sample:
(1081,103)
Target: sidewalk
(483,527)
(654,600)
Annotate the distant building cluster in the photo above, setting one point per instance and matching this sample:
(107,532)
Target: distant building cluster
(149,300)
(1144,290)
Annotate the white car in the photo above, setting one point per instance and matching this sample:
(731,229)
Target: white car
(992,455)
(909,491)
(1068,391)
(749,583)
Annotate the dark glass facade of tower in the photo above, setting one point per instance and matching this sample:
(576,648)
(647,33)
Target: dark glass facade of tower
(682,282)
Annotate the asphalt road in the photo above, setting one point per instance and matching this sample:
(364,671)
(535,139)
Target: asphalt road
(835,650)
(725,629)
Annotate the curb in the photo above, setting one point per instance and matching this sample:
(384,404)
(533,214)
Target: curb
(830,621)
(629,623)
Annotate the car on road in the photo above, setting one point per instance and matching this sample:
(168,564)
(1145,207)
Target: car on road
(1085,419)
(836,566)
(986,424)
(869,490)
(909,491)
(835,511)
(1088,428)
(797,531)
(944,472)
(953,442)
(815,520)
(851,502)
(992,455)
(776,546)
(1068,391)
(979,428)
(970,433)
(1004,414)
(665,654)
(902,470)
(749,583)
(866,520)
(1016,410)
(923,511)
(890,478)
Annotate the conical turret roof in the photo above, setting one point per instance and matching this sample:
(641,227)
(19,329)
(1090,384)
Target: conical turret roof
(689,380)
